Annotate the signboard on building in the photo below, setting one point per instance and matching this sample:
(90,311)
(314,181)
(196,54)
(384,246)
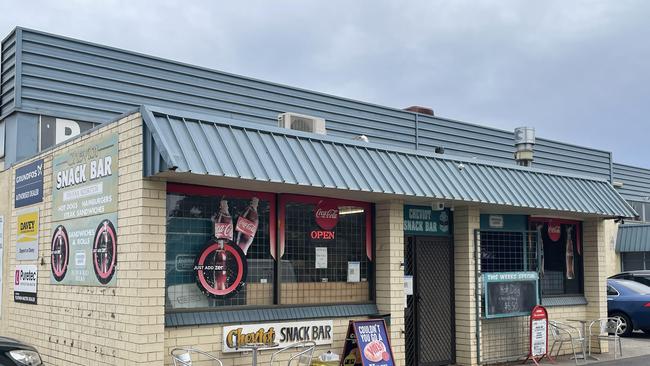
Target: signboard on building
(367,344)
(28,184)
(84,214)
(25,283)
(423,220)
(509,294)
(277,335)
(57,130)
(27,234)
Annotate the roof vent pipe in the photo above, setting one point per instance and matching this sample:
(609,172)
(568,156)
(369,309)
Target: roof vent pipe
(524,142)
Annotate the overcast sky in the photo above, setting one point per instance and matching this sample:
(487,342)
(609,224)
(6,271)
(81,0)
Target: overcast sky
(577,71)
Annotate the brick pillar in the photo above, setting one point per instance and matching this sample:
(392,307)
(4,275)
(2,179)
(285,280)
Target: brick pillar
(466,220)
(142,227)
(595,269)
(390,273)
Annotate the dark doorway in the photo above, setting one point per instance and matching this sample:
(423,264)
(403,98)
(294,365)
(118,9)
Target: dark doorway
(429,315)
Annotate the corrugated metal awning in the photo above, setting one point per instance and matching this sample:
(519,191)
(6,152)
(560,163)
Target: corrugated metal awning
(184,142)
(633,238)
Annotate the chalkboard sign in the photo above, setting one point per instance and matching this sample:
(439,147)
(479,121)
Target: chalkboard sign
(509,294)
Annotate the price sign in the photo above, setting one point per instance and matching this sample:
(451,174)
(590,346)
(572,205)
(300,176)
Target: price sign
(538,335)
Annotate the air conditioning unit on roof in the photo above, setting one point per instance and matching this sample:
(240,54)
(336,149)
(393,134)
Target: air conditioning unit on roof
(300,122)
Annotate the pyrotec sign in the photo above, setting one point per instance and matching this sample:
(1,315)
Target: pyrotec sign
(25,283)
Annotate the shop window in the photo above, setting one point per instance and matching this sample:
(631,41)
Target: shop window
(561,267)
(635,261)
(237,269)
(325,251)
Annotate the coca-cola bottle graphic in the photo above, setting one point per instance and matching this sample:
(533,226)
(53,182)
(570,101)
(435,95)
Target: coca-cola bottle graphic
(222,231)
(57,253)
(247,226)
(102,249)
(570,274)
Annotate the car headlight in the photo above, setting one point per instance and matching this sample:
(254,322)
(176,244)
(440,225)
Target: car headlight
(26,357)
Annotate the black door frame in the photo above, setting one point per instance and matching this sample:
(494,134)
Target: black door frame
(415,315)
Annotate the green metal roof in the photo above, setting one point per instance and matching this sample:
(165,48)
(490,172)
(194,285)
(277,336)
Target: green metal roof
(186,142)
(633,238)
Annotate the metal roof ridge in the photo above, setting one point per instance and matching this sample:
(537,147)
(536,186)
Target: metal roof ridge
(647,170)
(366,145)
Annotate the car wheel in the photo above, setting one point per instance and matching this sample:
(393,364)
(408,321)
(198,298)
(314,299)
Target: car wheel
(626,324)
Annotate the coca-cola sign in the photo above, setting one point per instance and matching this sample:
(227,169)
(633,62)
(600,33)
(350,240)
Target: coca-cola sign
(223,230)
(554,231)
(246,226)
(327,215)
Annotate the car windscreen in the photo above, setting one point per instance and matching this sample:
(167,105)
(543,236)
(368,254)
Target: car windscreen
(636,287)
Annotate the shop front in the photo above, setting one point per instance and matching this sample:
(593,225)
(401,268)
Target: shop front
(429,286)
(163,230)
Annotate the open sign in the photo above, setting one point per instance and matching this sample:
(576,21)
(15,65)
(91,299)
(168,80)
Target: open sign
(322,235)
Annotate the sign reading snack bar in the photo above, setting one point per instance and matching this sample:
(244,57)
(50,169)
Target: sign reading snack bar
(25,279)
(27,235)
(84,211)
(28,184)
(85,180)
(276,335)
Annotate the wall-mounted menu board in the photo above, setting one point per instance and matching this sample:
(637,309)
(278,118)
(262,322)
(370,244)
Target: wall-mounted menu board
(508,294)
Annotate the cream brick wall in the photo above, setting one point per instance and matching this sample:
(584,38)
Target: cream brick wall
(93,325)
(466,221)
(389,238)
(613,259)
(6,290)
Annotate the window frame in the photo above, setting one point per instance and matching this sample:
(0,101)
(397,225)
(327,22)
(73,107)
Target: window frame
(578,224)
(277,205)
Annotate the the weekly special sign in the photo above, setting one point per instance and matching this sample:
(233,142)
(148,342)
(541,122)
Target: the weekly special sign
(422,220)
(84,214)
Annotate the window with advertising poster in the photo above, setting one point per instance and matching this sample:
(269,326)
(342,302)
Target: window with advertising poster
(325,250)
(561,267)
(220,246)
(221,249)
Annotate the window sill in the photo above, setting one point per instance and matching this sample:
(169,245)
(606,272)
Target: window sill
(187,318)
(564,301)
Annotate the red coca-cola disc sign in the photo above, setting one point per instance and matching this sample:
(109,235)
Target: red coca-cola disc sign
(327,215)
(554,231)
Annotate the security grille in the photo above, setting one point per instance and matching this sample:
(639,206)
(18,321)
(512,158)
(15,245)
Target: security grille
(503,339)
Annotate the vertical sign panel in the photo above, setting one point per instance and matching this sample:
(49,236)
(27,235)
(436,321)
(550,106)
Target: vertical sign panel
(84,214)
(28,184)
(27,234)
(25,285)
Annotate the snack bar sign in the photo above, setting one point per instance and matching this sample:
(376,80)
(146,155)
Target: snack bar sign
(28,184)
(422,220)
(85,181)
(276,335)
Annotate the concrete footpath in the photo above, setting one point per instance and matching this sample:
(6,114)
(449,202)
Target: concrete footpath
(636,352)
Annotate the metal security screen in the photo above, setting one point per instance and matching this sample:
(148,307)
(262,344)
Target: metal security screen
(503,339)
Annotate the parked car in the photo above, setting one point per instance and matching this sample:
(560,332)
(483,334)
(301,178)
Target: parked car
(16,353)
(629,301)
(638,276)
